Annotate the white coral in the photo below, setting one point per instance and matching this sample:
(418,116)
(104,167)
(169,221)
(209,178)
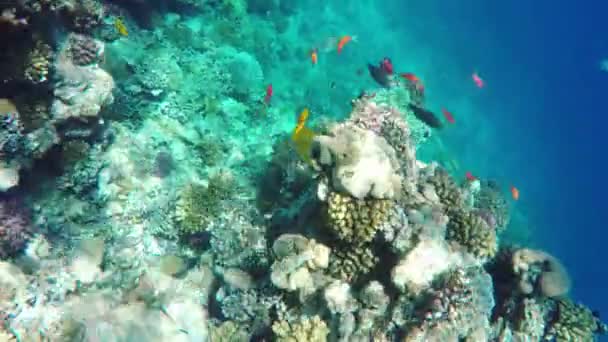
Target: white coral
(363,164)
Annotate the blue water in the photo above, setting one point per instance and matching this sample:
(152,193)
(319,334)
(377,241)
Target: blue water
(542,114)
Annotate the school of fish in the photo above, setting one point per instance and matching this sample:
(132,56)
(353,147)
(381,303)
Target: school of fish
(382,73)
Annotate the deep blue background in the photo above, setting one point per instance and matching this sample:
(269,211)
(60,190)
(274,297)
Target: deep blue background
(544,91)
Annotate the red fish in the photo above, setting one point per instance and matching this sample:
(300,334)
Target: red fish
(448,116)
(387,65)
(414,79)
(470,176)
(478,80)
(268,96)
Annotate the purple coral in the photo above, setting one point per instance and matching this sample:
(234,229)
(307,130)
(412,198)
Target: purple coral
(15,229)
(84,50)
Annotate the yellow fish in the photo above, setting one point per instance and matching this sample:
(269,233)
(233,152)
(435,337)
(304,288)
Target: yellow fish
(120,27)
(302,138)
(302,120)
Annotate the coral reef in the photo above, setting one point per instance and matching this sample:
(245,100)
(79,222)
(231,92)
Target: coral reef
(356,221)
(574,322)
(198,204)
(473,233)
(350,151)
(308,329)
(15,228)
(168,201)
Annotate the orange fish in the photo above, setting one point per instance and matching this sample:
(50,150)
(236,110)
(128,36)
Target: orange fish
(470,176)
(414,79)
(448,115)
(343,42)
(302,120)
(268,96)
(478,80)
(514,193)
(313,56)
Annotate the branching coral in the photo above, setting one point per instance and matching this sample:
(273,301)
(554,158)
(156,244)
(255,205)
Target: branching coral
(356,221)
(15,229)
(399,98)
(198,204)
(448,191)
(84,50)
(491,201)
(352,262)
(38,63)
(574,322)
(473,233)
(311,329)
(457,307)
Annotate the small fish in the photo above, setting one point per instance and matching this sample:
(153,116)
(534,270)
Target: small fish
(448,116)
(121,27)
(343,41)
(314,57)
(478,80)
(426,116)
(514,193)
(379,75)
(302,139)
(332,85)
(470,176)
(269,92)
(414,79)
(387,65)
(301,120)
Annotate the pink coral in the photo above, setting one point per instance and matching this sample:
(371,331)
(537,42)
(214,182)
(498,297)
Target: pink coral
(15,229)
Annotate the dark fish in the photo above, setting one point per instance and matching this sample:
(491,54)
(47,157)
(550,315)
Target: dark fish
(379,75)
(426,116)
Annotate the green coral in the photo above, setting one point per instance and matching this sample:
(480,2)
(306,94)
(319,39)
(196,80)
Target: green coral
(447,190)
(350,263)
(227,332)
(311,329)
(574,322)
(356,221)
(198,205)
(473,233)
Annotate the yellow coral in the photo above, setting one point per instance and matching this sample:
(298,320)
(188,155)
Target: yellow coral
(356,221)
(473,233)
(311,329)
(351,263)
(574,322)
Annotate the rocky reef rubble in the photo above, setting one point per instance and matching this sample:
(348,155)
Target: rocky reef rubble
(394,252)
